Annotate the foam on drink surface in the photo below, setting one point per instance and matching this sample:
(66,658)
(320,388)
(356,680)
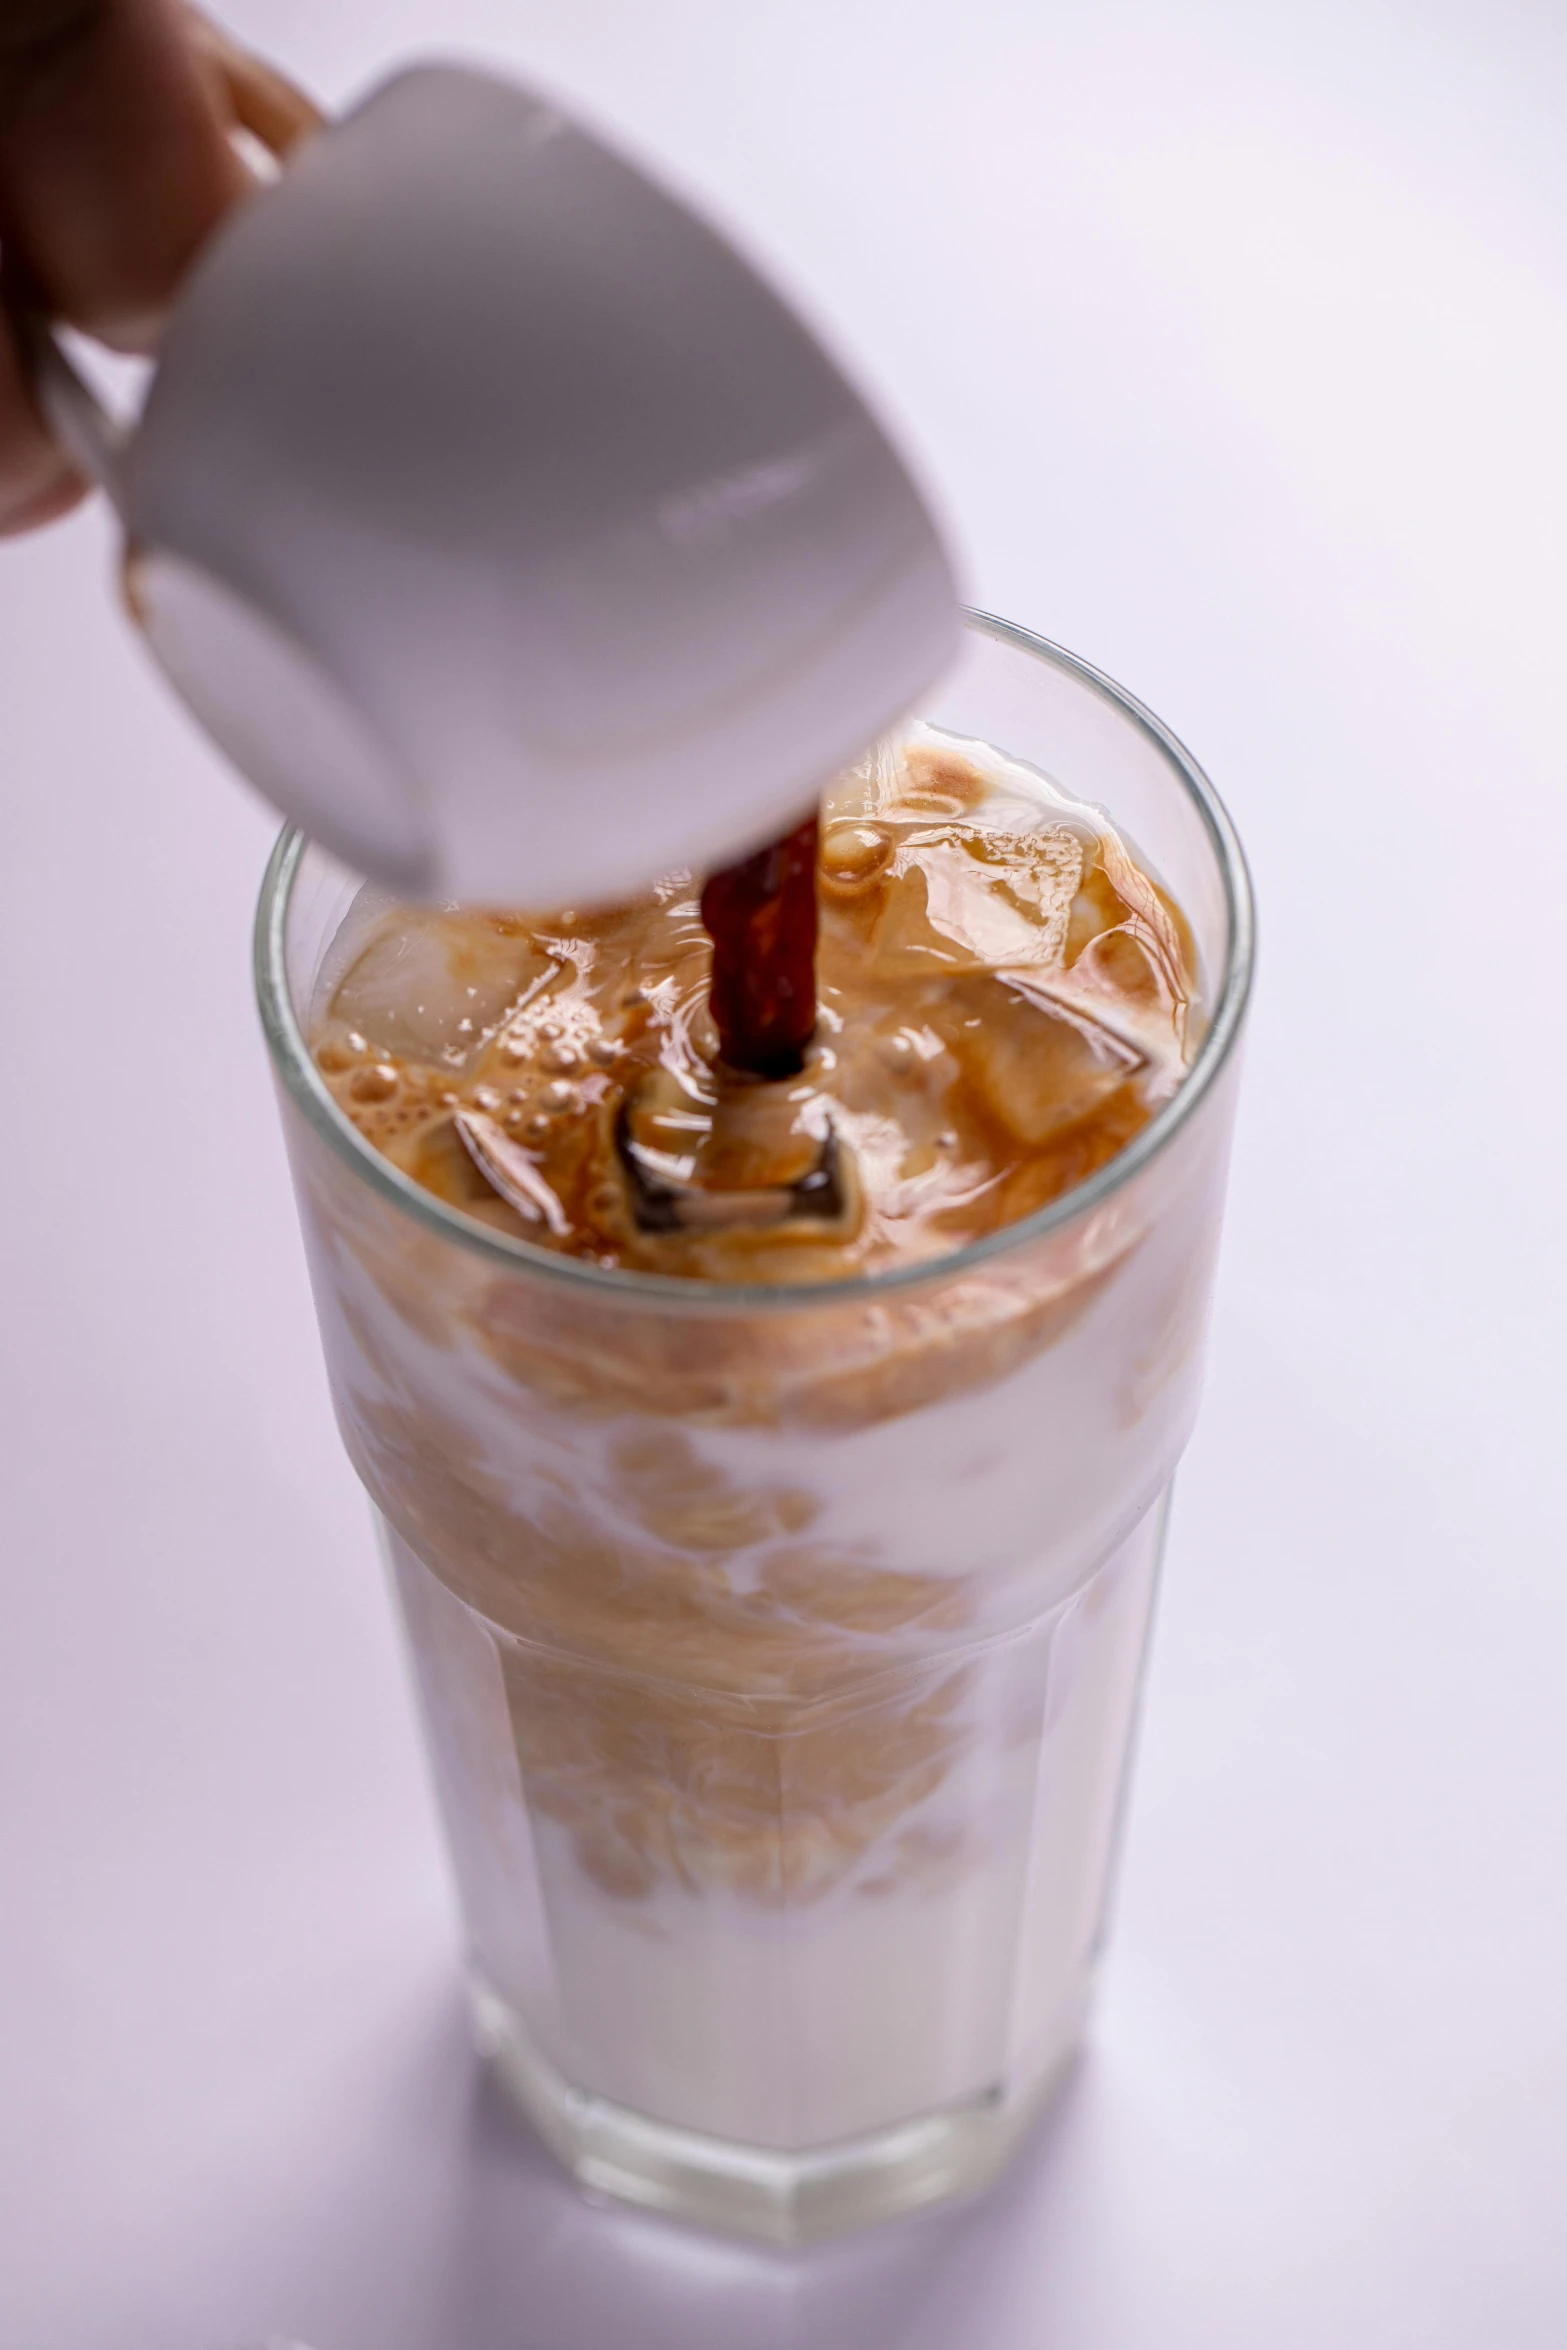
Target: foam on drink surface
(1005,997)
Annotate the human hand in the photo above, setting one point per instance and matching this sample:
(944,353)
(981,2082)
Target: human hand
(116,161)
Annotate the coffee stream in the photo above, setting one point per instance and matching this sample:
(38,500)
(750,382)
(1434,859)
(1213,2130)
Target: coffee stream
(761,916)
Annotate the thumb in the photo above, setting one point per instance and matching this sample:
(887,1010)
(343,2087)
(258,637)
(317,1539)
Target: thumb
(115,165)
(114,158)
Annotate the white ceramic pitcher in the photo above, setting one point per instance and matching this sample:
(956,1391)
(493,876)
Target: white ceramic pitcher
(500,523)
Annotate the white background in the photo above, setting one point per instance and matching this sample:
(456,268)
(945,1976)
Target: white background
(1235,339)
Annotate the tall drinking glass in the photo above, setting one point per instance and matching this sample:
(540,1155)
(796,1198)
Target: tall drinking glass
(779,1648)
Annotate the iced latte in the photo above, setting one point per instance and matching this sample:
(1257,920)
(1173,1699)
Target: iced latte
(773,1465)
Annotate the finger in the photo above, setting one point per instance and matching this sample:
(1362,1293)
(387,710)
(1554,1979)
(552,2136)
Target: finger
(37,480)
(261,100)
(114,158)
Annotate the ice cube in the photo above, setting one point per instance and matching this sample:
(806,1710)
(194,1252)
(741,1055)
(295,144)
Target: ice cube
(964,900)
(512,1172)
(1042,1066)
(432,987)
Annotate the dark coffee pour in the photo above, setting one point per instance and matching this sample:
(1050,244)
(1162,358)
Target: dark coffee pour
(761,918)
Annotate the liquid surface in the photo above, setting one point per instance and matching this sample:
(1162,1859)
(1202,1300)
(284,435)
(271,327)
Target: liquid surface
(1005,998)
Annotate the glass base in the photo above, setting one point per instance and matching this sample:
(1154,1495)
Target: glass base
(776,2198)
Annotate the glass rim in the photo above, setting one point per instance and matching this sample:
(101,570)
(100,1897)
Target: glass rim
(697,1293)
